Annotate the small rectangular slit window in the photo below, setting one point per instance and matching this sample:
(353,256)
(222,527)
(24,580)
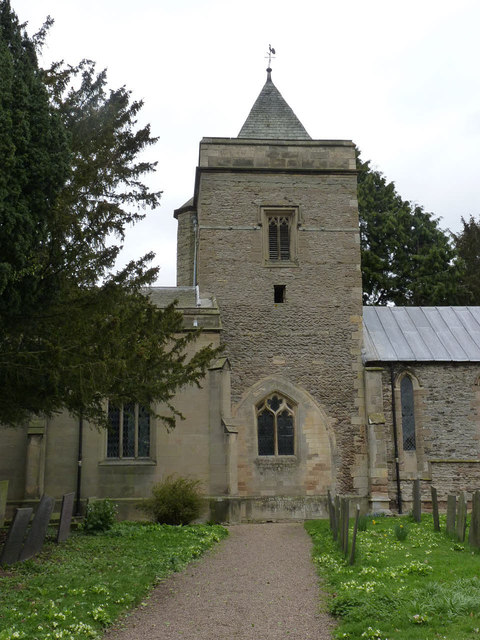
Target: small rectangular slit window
(279,293)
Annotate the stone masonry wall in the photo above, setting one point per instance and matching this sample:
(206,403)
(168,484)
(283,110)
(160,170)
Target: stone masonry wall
(314,338)
(447,417)
(185,248)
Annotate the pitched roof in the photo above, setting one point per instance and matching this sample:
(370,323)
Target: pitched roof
(421,334)
(271,118)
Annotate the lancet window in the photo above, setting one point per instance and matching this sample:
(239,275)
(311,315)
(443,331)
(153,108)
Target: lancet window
(408,414)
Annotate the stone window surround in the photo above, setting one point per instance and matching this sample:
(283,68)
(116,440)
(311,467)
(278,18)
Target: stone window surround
(267,212)
(129,460)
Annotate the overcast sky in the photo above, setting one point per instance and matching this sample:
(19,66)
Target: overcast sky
(400,79)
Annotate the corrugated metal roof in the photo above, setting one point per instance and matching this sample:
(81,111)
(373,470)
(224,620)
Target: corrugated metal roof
(272,118)
(421,334)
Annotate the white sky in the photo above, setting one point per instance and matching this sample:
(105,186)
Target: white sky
(400,79)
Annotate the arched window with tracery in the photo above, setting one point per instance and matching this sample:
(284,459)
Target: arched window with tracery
(408,414)
(276,426)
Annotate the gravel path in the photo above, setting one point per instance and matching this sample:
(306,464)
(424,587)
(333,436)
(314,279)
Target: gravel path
(259,583)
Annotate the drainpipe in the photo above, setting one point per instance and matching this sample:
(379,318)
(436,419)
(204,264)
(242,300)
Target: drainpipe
(195,245)
(79,466)
(395,439)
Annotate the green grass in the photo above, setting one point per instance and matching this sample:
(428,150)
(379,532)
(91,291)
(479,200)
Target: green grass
(74,590)
(426,587)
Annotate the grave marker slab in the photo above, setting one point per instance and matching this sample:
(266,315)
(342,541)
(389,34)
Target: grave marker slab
(65,517)
(36,535)
(333,516)
(345,523)
(14,542)
(474,533)
(354,536)
(461,517)
(338,519)
(417,501)
(3,500)
(451,512)
(436,520)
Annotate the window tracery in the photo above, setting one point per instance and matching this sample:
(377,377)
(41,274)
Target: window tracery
(276,426)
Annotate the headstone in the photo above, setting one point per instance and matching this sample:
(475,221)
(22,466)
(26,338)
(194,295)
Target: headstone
(354,536)
(334,524)
(3,500)
(345,523)
(474,533)
(329,505)
(16,534)
(65,517)
(436,519)
(451,512)
(417,501)
(38,531)
(338,518)
(461,518)
(340,527)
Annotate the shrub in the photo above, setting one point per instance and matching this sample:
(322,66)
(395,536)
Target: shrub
(401,531)
(174,501)
(363,523)
(100,516)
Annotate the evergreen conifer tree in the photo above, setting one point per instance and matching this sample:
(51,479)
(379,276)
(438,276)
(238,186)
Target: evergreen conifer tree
(73,331)
(406,258)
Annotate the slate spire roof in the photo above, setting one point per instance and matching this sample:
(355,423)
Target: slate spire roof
(271,117)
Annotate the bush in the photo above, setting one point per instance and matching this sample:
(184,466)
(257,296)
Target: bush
(401,531)
(363,523)
(100,516)
(174,501)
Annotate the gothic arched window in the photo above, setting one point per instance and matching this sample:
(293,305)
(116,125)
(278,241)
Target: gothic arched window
(408,414)
(276,427)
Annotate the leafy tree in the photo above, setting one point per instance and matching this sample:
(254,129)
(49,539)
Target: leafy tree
(468,247)
(72,330)
(406,258)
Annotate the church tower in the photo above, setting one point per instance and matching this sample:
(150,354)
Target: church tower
(272,233)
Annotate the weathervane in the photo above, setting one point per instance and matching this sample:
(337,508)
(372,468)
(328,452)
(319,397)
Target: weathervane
(271,53)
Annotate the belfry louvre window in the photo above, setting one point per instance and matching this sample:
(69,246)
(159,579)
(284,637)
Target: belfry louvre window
(280,226)
(408,414)
(276,427)
(129,431)
(279,233)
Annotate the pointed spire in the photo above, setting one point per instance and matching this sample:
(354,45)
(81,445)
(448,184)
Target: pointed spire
(271,118)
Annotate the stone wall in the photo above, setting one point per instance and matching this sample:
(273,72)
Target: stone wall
(447,416)
(185,247)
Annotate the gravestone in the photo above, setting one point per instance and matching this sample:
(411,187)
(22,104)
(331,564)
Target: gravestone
(354,536)
(417,501)
(345,523)
(38,530)
(334,523)
(329,505)
(16,534)
(451,512)
(461,517)
(338,517)
(65,517)
(436,519)
(474,533)
(3,500)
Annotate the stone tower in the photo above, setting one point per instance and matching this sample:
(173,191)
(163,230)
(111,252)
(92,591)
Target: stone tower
(272,233)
